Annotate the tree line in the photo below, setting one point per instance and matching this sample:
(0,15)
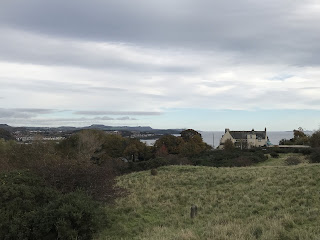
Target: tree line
(301,138)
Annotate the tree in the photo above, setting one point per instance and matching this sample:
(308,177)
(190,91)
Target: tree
(193,143)
(228,145)
(315,139)
(298,133)
(170,142)
(299,138)
(114,145)
(189,134)
(162,152)
(132,152)
(82,145)
(191,149)
(284,141)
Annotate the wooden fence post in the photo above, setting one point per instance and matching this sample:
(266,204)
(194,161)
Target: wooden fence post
(194,211)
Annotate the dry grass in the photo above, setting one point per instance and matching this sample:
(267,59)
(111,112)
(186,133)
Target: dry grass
(233,203)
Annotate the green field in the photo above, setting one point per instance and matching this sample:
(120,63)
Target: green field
(265,202)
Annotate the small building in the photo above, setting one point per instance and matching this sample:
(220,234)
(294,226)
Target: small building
(245,139)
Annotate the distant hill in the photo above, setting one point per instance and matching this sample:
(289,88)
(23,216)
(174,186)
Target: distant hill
(10,128)
(6,127)
(5,134)
(94,126)
(137,129)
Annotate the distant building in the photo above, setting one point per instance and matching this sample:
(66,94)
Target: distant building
(245,139)
(112,132)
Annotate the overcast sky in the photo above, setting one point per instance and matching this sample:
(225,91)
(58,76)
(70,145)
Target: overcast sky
(202,64)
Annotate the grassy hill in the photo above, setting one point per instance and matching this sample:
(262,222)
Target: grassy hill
(265,202)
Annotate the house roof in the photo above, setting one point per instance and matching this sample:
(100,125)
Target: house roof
(243,134)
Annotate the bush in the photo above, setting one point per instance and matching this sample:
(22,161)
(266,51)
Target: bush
(158,162)
(31,210)
(64,173)
(306,151)
(154,172)
(296,150)
(241,162)
(235,158)
(315,139)
(315,156)
(274,154)
(292,160)
(70,175)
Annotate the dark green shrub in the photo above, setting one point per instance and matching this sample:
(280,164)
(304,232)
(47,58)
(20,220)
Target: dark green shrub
(235,158)
(296,150)
(241,162)
(274,154)
(154,172)
(306,151)
(315,139)
(158,162)
(315,156)
(292,160)
(31,210)
(65,173)
(147,165)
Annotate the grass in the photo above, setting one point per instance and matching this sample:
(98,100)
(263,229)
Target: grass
(280,161)
(266,202)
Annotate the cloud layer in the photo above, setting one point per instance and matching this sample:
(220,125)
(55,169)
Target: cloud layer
(144,59)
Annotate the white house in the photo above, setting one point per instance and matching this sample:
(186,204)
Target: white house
(245,139)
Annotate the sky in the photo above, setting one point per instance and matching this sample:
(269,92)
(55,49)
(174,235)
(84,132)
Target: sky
(202,64)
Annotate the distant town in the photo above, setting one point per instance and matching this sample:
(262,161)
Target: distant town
(29,134)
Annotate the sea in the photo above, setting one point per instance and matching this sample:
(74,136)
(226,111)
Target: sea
(213,138)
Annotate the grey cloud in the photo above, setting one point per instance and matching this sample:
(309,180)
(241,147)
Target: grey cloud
(34,110)
(24,47)
(103,118)
(109,118)
(11,113)
(126,118)
(117,113)
(23,113)
(82,121)
(269,31)
(54,86)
